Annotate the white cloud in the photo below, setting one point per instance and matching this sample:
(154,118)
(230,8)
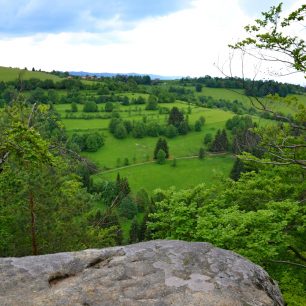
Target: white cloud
(187,42)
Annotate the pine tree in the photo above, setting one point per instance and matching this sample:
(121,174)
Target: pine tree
(215,146)
(220,143)
(161,145)
(134,231)
(176,117)
(224,141)
(237,169)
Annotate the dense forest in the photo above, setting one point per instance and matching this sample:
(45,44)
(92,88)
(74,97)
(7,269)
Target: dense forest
(52,197)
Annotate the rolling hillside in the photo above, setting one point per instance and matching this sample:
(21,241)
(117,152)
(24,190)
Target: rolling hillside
(11,74)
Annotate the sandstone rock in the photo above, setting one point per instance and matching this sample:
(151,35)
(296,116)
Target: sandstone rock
(150,273)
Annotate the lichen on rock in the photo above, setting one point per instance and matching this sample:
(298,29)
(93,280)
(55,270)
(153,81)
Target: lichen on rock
(161,272)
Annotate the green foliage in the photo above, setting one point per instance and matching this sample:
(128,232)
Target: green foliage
(161,145)
(161,157)
(134,231)
(153,129)
(42,203)
(220,143)
(259,216)
(142,200)
(109,107)
(237,169)
(127,208)
(152,103)
(139,130)
(74,107)
(90,107)
(90,142)
(93,142)
(120,131)
(269,34)
(201,153)
(198,126)
(176,117)
(208,139)
(198,87)
(171,131)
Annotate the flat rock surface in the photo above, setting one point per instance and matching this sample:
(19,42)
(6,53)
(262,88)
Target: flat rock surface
(160,272)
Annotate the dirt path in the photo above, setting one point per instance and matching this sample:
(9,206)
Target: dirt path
(153,161)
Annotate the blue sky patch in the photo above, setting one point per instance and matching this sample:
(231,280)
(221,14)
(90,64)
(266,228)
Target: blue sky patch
(27,17)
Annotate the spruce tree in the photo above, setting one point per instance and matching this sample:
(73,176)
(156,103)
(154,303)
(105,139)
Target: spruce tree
(237,169)
(215,146)
(161,145)
(224,141)
(134,231)
(176,117)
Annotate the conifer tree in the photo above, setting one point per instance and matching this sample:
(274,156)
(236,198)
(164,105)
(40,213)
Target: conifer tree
(161,145)
(176,117)
(134,231)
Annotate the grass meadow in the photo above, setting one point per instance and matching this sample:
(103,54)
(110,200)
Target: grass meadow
(11,74)
(187,173)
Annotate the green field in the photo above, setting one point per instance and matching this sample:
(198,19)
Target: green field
(12,74)
(187,173)
(136,113)
(282,105)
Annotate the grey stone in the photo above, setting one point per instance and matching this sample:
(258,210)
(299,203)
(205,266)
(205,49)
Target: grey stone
(157,272)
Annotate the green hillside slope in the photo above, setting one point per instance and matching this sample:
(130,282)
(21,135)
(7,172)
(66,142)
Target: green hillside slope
(11,74)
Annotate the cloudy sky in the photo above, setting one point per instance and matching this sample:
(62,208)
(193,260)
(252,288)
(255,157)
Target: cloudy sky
(166,37)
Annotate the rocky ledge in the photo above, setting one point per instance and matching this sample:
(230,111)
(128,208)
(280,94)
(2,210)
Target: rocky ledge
(150,273)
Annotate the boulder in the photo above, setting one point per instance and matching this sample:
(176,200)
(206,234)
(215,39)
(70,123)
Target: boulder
(160,272)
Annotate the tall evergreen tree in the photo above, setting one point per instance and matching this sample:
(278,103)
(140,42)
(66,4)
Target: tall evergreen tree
(220,143)
(176,117)
(161,145)
(134,231)
(237,169)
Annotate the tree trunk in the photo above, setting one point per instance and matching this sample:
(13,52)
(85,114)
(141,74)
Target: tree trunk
(33,232)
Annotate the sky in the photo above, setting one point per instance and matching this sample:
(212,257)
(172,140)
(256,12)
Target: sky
(164,37)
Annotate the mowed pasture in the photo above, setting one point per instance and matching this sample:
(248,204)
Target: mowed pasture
(186,174)
(139,151)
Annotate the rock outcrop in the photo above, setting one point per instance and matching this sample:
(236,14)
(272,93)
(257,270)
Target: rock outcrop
(150,273)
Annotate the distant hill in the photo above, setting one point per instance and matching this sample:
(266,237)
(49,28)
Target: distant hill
(11,74)
(107,74)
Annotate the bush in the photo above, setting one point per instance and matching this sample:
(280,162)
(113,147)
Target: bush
(171,131)
(74,107)
(153,129)
(120,131)
(208,138)
(94,141)
(201,153)
(161,157)
(139,130)
(109,107)
(198,126)
(90,107)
